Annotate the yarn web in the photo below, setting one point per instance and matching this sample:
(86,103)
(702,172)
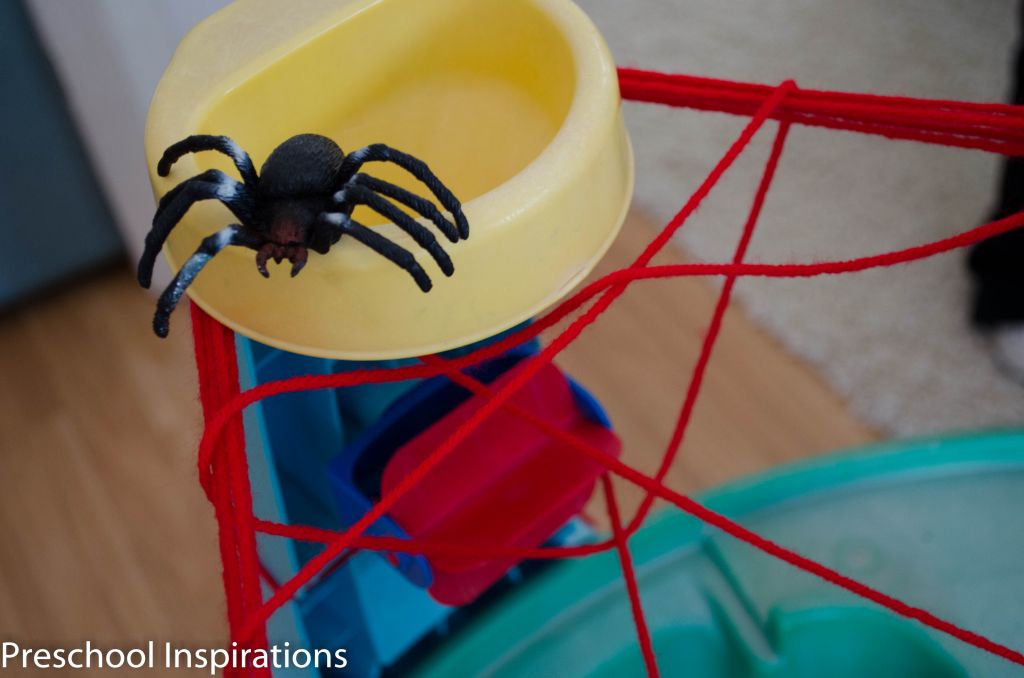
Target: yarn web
(223,469)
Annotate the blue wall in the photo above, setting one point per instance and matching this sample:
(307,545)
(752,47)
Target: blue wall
(54,220)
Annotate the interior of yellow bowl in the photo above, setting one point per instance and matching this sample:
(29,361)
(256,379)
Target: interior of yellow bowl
(476,88)
(513,103)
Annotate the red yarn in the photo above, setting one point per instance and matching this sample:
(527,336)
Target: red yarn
(211,396)
(992,127)
(215,354)
(222,463)
(643,634)
(218,368)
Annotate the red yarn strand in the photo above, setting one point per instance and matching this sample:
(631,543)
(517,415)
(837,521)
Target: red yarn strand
(991,127)
(636,607)
(215,349)
(213,393)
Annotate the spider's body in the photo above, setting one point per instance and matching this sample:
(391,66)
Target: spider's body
(301,200)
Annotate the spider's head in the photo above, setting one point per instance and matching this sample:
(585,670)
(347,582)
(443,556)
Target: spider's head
(286,236)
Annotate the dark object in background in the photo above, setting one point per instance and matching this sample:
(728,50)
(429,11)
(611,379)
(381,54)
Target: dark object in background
(54,220)
(997,264)
(302,200)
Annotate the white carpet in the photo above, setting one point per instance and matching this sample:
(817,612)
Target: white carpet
(895,343)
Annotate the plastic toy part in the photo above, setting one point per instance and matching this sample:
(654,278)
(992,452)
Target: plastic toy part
(921,517)
(505,456)
(506,484)
(365,606)
(356,473)
(376,607)
(514,104)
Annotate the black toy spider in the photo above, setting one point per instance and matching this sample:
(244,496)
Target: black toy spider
(301,200)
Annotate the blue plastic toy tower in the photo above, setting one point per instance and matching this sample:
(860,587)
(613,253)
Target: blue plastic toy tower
(304,452)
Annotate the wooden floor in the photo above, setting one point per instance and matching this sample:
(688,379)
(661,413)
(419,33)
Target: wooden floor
(107,537)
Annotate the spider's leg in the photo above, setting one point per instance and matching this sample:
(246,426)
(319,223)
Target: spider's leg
(407,198)
(400,256)
(415,167)
(357,195)
(208,142)
(209,176)
(208,248)
(209,185)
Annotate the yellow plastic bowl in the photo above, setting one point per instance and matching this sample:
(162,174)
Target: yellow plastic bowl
(513,103)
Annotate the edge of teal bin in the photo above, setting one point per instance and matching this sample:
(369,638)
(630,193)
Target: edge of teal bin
(673,531)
